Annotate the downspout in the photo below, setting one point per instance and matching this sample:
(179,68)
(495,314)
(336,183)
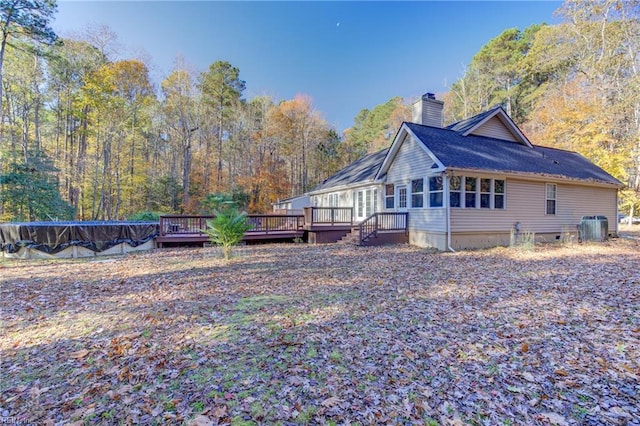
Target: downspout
(448,207)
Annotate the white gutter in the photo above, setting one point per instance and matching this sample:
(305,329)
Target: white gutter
(345,187)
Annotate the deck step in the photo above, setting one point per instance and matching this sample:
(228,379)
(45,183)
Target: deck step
(350,238)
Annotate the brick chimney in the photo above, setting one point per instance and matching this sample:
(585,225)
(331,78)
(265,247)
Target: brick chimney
(428,111)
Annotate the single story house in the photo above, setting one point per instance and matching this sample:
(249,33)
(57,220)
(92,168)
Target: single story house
(472,183)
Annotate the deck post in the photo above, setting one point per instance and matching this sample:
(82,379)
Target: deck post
(375,224)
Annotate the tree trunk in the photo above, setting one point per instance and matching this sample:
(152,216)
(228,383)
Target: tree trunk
(219,170)
(186,171)
(81,163)
(3,45)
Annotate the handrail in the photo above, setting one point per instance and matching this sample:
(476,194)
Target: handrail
(275,222)
(183,224)
(387,221)
(262,223)
(328,215)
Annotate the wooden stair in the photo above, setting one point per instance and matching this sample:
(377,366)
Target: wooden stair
(350,238)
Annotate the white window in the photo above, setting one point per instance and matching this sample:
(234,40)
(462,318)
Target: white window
(334,200)
(402,197)
(552,193)
(470,186)
(417,193)
(375,201)
(366,203)
(436,190)
(472,192)
(389,193)
(498,194)
(455,191)
(485,193)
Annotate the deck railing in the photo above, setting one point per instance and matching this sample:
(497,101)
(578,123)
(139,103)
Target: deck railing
(275,222)
(392,221)
(263,223)
(183,224)
(328,216)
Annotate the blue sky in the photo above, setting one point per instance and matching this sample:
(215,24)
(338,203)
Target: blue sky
(345,55)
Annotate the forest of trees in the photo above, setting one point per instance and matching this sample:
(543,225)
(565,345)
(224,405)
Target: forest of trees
(88,137)
(574,86)
(85,136)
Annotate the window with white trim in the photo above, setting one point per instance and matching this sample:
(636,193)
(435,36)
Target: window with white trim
(472,192)
(551,198)
(334,200)
(417,193)
(498,194)
(455,191)
(470,185)
(485,193)
(367,202)
(375,200)
(402,197)
(436,190)
(389,196)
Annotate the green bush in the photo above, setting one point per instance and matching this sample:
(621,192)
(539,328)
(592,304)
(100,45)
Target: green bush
(227,229)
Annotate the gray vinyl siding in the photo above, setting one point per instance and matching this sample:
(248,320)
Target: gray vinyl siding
(494,128)
(344,198)
(412,162)
(428,112)
(526,204)
(426,219)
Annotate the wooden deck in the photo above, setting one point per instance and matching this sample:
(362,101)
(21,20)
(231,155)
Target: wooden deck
(186,230)
(316,225)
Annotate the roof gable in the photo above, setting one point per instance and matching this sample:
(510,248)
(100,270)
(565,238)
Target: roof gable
(403,133)
(492,123)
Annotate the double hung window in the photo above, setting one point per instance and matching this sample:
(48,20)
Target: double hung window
(551,198)
(389,196)
(470,184)
(455,191)
(436,190)
(417,193)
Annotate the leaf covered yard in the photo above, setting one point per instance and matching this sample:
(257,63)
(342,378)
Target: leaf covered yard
(333,334)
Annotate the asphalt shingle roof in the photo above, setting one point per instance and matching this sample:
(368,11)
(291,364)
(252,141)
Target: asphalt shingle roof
(478,153)
(361,170)
(468,123)
(484,153)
